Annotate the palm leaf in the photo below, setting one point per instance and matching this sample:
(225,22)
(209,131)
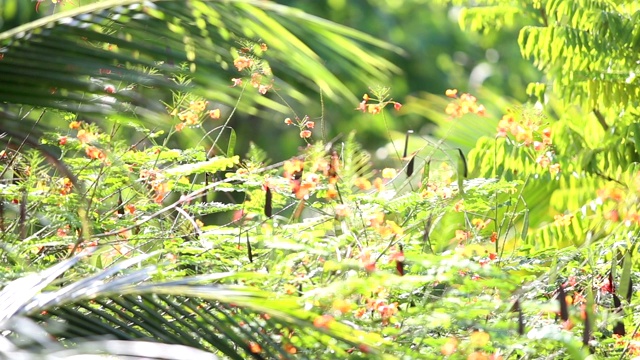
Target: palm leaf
(65,61)
(237,322)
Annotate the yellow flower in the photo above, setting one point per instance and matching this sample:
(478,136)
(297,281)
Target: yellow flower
(479,338)
(389,173)
(214,114)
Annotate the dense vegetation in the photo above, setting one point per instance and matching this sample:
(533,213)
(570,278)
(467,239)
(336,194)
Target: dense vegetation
(198,180)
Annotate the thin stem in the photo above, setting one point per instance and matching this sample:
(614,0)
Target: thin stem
(601,119)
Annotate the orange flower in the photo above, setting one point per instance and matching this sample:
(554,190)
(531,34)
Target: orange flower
(362,183)
(289,289)
(292,167)
(214,114)
(523,135)
(378,184)
(394,228)
(397,106)
(305,134)
(332,193)
(95,153)
(254,348)
(632,218)
(449,347)
(452,93)
(236,82)
(242,63)
(62,140)
(481,111)
(75,125)
(388,310)
(256,78)
(180,126)
(563,220)
(477,355)
(342,306)
(263,89)
(452,109)
(479,338)
(63,231)
(614,194)
(66,186)
(459,206)
(368,263)
(374,109)
(446,192)
(85,136)
(172,258)
(290,348)
(480,224)
(462,235)
(375,219)
(323,321)
(161,190)
(342,210)
(612,215)
(543,161)
(494,237)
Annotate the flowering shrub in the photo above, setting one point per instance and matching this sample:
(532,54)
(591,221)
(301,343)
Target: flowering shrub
(428,255)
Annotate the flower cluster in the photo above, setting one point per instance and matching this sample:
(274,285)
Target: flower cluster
(156,180)
(86,135)
(379,100)
(301,183)
(383,227)
(563,220)
(258,69)
(96,154)
(477,339)
(632,345)
(66,186)
(194,114)
(463,104)
(305,125)
(619,204)
(444,192)
(378,305)
(527,130)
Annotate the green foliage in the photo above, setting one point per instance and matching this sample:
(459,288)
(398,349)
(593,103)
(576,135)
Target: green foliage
(587,48)
(470,245)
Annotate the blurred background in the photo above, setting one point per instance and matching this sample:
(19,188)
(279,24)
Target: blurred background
(437,55)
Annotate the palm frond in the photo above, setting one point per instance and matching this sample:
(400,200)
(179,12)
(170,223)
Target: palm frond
(65,61)
(233,321)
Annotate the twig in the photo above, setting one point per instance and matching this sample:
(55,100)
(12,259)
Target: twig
(601,119)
